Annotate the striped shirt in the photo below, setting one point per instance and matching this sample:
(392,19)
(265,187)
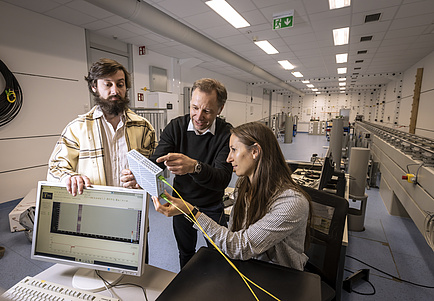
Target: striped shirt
(278,237)
(80,148)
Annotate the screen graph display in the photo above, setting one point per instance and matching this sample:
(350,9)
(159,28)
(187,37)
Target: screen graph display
(102,228)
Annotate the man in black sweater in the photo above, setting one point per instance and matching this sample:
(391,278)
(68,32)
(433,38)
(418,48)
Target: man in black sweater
(194,148)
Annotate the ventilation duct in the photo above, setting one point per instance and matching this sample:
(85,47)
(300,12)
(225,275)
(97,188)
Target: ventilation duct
(151,18)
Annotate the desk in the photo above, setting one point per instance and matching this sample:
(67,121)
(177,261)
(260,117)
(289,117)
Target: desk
(207,276)
(154,280)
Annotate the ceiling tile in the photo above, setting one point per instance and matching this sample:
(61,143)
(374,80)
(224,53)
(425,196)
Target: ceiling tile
(401,38)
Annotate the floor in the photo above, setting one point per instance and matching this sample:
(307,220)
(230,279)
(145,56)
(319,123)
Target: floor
(391,244)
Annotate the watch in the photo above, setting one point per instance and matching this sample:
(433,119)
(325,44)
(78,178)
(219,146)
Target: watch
(194,211)
(197,167)
(192,216)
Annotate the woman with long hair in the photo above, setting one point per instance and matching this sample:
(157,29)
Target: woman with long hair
(271,213)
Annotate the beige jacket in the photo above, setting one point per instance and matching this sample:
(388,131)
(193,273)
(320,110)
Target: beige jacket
(79,149)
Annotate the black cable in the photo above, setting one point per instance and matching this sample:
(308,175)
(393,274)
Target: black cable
(390,275)
(109,285)
(133,284)
(11,99)
(360,293)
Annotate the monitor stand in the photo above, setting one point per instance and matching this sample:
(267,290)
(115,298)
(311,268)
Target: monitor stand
(87,279)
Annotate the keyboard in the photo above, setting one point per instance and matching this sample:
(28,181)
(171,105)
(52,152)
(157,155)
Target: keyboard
(35,289)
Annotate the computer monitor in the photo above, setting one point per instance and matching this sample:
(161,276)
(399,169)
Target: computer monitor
(103,229)
(330,178)
(326,172)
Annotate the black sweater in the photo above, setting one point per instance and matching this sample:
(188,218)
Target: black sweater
(207,187)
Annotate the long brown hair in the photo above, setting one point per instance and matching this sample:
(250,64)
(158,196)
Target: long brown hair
(271,176)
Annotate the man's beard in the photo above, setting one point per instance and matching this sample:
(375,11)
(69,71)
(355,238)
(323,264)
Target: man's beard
(112,107)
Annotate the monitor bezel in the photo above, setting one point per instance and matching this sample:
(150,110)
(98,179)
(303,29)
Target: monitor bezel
(92,266)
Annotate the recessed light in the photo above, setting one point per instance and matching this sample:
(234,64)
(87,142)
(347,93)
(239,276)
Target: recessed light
(342,88)
(305,81)
(310,85)
(297,74)
(341,79)
(341,58)
(228,13)
(267,47)
(342,70)
(286,64)
(314,90)
(341,36)
(342,84)
(333,4)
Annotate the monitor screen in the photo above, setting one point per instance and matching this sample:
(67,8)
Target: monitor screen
(326,173)
(104,228)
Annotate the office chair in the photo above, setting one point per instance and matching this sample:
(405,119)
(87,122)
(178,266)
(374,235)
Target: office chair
(327,228)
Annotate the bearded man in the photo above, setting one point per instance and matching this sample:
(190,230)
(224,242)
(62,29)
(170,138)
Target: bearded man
(92,148)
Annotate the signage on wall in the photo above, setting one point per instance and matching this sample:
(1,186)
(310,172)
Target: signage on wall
(140,97)
(283,20)
(142,50)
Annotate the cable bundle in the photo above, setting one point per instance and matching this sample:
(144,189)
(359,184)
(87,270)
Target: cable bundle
(11,100)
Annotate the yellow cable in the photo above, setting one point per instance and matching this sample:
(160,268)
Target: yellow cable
(212,242)
(245,279)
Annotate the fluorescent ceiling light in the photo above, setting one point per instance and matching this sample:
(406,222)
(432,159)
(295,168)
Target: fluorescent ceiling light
(310,85)
(286,64)
(318,92)
(267,47)
(305,81)
(341,58)
(342,70)
(297,74)
(341,36)
(314,90)
(333,4)
(341,79)
(228,13)
(342,91)
(342,88)
(342,84)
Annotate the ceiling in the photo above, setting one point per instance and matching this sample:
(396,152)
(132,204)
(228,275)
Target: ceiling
(402,36)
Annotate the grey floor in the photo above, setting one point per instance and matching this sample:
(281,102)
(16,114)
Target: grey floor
(391,244)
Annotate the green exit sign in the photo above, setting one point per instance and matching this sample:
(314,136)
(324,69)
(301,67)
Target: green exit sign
(283,20)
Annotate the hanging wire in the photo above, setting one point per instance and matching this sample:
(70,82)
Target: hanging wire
(193,219)
(11,99)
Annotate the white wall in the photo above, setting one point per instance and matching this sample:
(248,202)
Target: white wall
(327,106)
(397,95)
(425,120)
(48,58)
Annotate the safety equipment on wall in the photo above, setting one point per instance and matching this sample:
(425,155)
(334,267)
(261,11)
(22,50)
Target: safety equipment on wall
(11,99)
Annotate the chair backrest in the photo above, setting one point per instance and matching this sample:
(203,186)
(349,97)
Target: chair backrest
(329,213)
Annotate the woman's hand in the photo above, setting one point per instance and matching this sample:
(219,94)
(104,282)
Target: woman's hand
(170,210)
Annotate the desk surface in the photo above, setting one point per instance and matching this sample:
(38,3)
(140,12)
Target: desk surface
(154,280)
(208,276)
